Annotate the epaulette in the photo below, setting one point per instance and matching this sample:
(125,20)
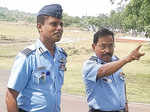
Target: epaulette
(93,58)
(116,58)
(63,51)
(27,51)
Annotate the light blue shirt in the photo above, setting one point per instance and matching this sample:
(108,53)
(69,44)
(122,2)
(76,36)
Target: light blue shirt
(106,93)
(38,77)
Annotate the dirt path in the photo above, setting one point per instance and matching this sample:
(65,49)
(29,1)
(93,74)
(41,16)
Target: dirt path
(72,103)
(130,40)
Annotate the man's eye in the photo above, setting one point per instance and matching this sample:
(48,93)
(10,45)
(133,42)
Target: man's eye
(61,24)
(111,45)
(53,24)
(102,46)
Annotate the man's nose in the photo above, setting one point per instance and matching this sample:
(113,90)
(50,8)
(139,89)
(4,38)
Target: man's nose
(59,27)
(107,49)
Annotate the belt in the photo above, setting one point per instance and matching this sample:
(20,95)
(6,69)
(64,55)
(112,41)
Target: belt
(95,110)
(20,110)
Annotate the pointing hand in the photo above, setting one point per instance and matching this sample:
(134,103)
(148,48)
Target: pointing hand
(135,54)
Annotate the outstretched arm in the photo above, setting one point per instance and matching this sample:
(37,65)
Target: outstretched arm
(109,68)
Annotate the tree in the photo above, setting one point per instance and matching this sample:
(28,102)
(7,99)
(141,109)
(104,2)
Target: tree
(137,15)
(119,2)
(70,21)
(115,20)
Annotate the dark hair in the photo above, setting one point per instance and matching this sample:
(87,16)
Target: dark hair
(41,19)
(102,33)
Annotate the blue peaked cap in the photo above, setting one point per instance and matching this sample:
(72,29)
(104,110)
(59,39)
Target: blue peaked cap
(54,10)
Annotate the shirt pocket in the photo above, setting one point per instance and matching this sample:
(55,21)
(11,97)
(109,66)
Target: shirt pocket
(41,80)
(107,84)
(23,101)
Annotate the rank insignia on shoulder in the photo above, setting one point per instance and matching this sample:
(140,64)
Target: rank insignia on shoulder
(116,58)
(93,58)
(41,50)
(27,51)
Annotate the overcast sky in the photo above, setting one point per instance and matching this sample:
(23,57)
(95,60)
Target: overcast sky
(71,7)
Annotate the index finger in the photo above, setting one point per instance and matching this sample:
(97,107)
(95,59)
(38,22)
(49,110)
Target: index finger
(138,47)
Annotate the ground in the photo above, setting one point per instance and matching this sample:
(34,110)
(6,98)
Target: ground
(70,103)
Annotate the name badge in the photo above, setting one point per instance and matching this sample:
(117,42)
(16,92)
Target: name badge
(62,60)
(122,76)
(62,67)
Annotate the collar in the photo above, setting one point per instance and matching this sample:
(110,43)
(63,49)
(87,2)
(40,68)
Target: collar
(113,58)
(41,47)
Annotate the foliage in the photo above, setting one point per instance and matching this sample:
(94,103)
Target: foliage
(137,15)
(134,16)
(15,15)
(70,21)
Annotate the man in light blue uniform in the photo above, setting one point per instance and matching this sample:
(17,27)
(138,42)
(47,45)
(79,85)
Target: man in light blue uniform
(103,76)
(38,72)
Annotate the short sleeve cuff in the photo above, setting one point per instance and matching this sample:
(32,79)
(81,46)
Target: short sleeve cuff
(93,73)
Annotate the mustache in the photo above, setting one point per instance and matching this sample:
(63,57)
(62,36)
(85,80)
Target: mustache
(60,32)
(107,54)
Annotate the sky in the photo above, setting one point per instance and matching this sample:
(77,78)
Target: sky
(71,7)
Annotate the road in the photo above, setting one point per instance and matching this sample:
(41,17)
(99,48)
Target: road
(70,103)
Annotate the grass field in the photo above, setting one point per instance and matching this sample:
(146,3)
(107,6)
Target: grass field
(138,72)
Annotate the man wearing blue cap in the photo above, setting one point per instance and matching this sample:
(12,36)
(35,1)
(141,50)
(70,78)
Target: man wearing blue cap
(38,71)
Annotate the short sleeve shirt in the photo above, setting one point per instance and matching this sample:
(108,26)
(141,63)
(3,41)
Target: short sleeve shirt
(106,93)
(38,77)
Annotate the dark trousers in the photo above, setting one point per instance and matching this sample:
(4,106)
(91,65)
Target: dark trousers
(93,110)
(20,110)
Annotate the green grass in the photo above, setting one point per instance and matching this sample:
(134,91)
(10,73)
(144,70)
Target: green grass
(6,63)
(7,54)
(138,72)
(18,30)
(138,86)
(73,78)
(138,78)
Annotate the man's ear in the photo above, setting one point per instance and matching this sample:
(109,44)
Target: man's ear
(93,46)
(39,27)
